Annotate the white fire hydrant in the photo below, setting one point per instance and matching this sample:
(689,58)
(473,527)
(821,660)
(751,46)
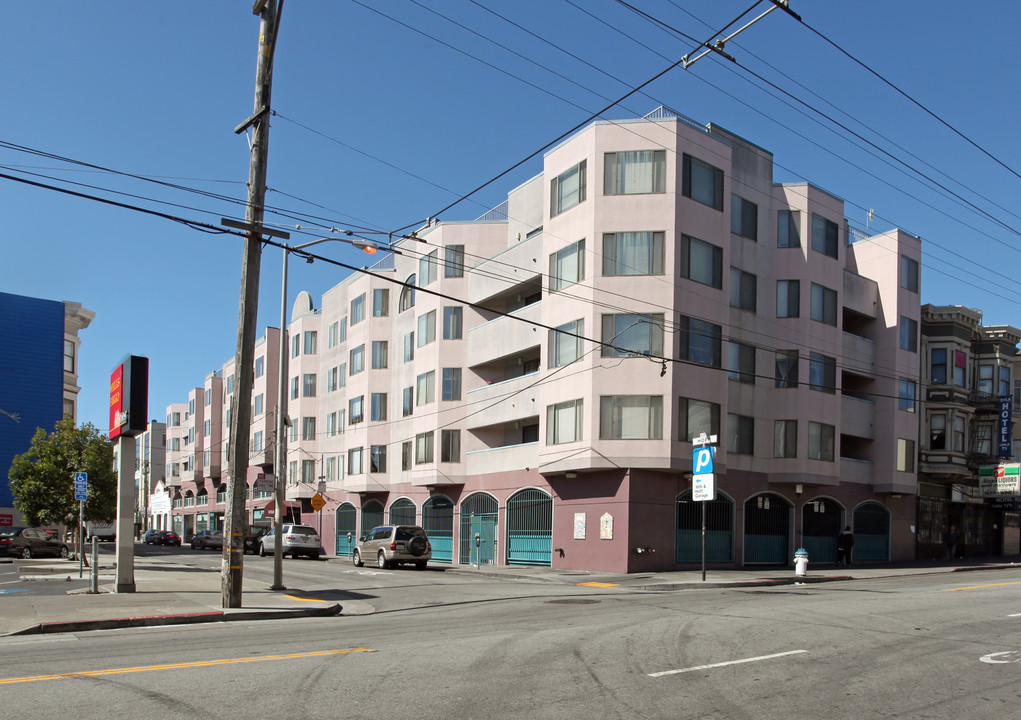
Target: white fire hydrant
(801,562)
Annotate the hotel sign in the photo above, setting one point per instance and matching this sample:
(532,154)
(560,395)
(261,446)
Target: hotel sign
(1001,481)
(1006,412)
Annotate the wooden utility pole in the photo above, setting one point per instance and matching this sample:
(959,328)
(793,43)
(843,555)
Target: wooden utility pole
(240,429)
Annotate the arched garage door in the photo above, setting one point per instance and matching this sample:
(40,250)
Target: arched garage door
(529,528)
(479,513)
(719,524)
(347,531)
(821,525)
(871,530)
(372,515)
(767,520)
(402,512)
(438,522)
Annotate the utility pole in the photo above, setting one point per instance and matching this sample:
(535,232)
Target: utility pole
(240,430)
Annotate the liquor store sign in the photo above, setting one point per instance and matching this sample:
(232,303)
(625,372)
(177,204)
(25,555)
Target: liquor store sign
(1000,481)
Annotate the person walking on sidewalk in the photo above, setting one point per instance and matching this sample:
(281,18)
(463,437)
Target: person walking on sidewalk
(844,544)
(950,538)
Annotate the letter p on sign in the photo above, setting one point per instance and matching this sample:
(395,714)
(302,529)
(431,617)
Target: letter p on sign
(702,460)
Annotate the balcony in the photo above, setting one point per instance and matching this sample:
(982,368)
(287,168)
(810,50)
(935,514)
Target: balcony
(508,458)
(858,417)
(855,471)
(859,355)
(505,336)
(518,265)
(502,402)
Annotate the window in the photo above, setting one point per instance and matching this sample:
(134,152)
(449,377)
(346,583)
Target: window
(960,365)
(330,468)
(406,455)
(906,395)
(450,446)
(785,438)
(259,366)
(295,387)
(906,455)
(175,443)
(788,229)
(426,328)
(631,417)
(354,461)
(824,305)
(357,309)
(985,379)
(634,172)
(342,375)
(377,407)
(452,322)
(205,429)
(741,362)
(308,471)
(331,335)
(310,342)
(427,268)
(702,182)
(355,410)
(567,266)
(908,334)
(700,341)
(308,385)
(938,431)
(568,189)
(744,217)
(453,261)
(632,334)
(331,424)
(230,384)
(786,368)
(701,262)
(938,366)
(407,401)
(632,253)
(958,433)
(357,359)
(740,434)
(256,444)
(424,387)
(332,379)
(423,448)
(69,356)
(295,346)
(292,475)
(451,384)
(564,422)
(377,459)
(822,372)
(342,330)
(308,428)
(1004,382)
(695,417)
(258,405)
(820,441)
(407,300)
(379,354)
(909,273)
(209,397)
(743,288)
(380,302)
(825,236)
(565,348)
(409,347)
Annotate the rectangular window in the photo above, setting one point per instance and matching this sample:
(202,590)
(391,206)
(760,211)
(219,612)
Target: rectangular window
(355,412)
(357,359)
(786,368)
(785,438)
(938,366)
(631,417)
(960,365)
(406,455)
(453,261)
(377,407)
(308,385)
(451,384)
(565,348)
(567,266)
(958,433)
(295,345)
(450,446)
(295,387)
(256,442)
(452,322)
(824,305)
(740,434)
(331,336)
(69,356)
(205,429)
(258,405)
(310,342)
(632,253)
(701,341)
(354,461)
(909,273)
(634,172)
(1004,382)
(744,217)
(568,189)
(821,441)
(632,334)
(426,328)
(407,401)
(743,289)
(985,379)
(906,455)
(695,417)
(427,268)
(380,352)
(332,379)
(701,262)
(209,396)
(825,236)
(424,388)
(908,334)
(308,428)
(377,459)
(409,347)
(906,394)
(380,302)
(292,474)
(564,422)
(938,431)
(702,182)
(423,448)
(788,229)
(331,424)
(822,372)
(308,471)
(330,468)
(357,309)
(741,362)
(342,375)
(342,330)
(260,363)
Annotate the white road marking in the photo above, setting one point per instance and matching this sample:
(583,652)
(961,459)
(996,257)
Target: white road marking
(1011,656)
(1014,615)
(724,664)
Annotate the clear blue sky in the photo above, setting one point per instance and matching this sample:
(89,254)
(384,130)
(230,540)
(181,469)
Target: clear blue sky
(383,121)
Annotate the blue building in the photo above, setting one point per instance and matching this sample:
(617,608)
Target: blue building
(38,375)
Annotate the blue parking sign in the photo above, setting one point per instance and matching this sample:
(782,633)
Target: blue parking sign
(702,460)
(81,485)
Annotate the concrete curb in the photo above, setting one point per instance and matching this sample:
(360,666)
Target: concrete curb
(240,615)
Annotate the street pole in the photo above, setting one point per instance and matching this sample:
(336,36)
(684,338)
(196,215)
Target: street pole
(281,450)
(234,527)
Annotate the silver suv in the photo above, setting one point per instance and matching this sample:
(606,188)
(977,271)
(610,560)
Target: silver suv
(391,545)
(298,540)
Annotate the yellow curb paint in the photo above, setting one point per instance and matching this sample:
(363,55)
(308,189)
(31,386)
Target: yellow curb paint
(599,584)
(301,599)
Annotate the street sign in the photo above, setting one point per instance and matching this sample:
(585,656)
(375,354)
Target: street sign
(318,502)
(703,487)
(702,460)
(81,486)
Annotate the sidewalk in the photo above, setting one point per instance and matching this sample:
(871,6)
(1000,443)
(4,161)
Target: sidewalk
(170,593)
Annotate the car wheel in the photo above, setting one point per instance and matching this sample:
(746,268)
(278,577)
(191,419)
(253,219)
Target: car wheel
(356,559)
(381,562)
(314,556)
(262,550)
(421,564)
(26,553)
(63,552)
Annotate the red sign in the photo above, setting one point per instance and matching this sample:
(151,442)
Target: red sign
(6,521)
(116,401)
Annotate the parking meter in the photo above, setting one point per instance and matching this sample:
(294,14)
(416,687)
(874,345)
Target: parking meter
(478,540)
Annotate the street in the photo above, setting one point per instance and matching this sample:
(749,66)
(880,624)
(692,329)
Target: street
(439,644)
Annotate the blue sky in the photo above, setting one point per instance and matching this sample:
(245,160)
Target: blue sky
(388,112)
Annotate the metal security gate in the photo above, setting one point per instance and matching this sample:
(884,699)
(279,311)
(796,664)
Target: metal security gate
(478,517)
(820,527)
(438,522)
(347,530)
(719,530)
(871,530)
(402,512)
(767,520)
(530,528)
(372,515)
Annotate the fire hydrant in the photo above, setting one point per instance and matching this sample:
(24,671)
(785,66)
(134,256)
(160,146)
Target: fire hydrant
(801,562)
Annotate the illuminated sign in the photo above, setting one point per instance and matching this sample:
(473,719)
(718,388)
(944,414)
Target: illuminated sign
(129,397)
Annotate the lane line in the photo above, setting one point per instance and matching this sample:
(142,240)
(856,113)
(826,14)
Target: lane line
(979,587)
(724,664)
(178,666)
(1015,615)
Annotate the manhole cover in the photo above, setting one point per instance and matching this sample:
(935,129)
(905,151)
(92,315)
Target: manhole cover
(572,601)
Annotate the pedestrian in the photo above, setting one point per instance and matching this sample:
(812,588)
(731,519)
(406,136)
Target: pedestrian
(950,538)
(844,544)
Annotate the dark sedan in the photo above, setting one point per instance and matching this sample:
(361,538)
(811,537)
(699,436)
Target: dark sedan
(168,537)
(29,543)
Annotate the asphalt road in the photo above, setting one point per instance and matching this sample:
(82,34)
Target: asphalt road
(445,645)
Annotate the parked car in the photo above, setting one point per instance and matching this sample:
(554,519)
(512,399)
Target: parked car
(151,536)
(392,545)
(207,540)
(252,538)
(28,543)
(168,537)
(297,540)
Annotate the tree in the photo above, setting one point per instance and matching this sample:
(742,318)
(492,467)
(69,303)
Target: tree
(42,478)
